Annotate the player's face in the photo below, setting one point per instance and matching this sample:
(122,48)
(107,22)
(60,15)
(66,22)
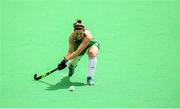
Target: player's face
(79,34)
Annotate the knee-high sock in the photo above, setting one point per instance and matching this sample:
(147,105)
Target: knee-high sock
(91,67)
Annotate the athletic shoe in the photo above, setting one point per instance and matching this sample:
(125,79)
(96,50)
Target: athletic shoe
(71,72)
(90,81)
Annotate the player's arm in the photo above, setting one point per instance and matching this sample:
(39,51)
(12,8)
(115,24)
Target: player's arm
(71,46)
(81,47)
(63,62)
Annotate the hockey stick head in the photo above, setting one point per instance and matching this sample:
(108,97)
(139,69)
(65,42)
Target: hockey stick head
(36,78)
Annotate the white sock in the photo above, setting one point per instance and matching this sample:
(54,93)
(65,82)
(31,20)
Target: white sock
(91,67)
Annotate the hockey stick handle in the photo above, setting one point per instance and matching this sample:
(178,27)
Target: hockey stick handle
(54,70)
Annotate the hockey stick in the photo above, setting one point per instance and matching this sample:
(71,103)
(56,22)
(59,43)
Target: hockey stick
(44,75)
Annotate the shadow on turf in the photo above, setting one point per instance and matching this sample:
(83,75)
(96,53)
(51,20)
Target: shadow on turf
(65,83)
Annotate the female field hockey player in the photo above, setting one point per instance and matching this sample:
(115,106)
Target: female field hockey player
(81,41)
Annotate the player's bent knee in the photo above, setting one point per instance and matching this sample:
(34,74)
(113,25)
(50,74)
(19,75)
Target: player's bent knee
(92,53)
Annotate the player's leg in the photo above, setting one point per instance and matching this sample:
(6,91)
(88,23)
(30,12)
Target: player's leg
(73,64)
(92,53)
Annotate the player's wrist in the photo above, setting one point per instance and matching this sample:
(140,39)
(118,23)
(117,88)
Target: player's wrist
(65,59)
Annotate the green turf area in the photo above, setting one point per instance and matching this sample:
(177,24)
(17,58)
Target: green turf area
(138,63)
